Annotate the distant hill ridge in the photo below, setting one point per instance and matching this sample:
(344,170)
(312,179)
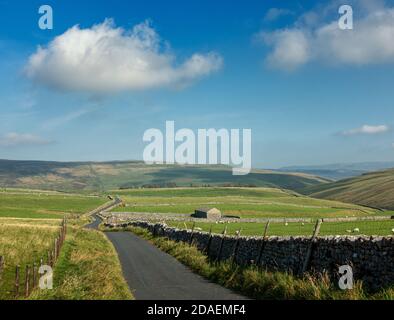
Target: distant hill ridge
(100,176)
(374,189)
(338,171)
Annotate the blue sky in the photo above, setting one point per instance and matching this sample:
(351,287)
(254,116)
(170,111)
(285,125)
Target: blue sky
(273,66)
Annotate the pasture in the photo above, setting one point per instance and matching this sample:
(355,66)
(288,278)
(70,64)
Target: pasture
(354,228)
(44,205)
(240,202)
(254,203)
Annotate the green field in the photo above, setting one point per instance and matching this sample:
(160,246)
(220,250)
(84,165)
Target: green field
(242,202)
(44,205)
(255,203)
(381,228)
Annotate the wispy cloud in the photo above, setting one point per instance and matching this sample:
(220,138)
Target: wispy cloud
(56,122)
(367,129)
(104,59)
(13,139)
(276,13)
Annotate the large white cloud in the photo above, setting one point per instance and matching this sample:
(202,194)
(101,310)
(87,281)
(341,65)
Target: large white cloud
(370,42)
(105,58)
(13,139)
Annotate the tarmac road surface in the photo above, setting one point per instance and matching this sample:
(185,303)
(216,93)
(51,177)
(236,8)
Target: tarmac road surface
(155,275)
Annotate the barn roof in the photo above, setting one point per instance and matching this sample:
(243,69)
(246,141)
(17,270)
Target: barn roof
(206,209)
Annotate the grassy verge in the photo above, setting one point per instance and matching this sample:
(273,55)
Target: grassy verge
(255,282)
(22,242)
(88,269)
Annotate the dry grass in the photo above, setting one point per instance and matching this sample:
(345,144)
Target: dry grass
(88,267)
(22,242)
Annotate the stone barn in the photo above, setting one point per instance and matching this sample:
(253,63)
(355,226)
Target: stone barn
(208,213)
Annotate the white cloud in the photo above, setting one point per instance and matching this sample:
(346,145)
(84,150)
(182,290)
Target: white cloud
(370,42)
(290,48)
(105,58)
(367,129)
(13,139)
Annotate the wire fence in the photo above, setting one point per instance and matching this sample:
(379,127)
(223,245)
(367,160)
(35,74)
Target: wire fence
(20,280)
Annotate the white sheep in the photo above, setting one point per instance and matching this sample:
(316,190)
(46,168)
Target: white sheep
(356,230)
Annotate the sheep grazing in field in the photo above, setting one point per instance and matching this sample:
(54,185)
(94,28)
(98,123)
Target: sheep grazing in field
(392,230)
(356,230)
(286,224)
(303,224)
(348,231)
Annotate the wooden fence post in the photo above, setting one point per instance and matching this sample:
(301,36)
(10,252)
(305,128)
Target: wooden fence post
(58,245)
(209,241)
(1,265)
(221,243)
(310,247)
(49,258)
(55,249)
(27,281)
(16,281)
(53,260)
(236,246)
(62,234)
(191,235)
(34,275)
(263,243)
(65,227)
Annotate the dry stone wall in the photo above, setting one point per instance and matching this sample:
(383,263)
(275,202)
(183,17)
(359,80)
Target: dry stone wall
(372,258)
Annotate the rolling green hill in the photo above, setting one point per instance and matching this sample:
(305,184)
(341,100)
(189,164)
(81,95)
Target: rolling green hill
(375,189)
(100,176)
(339,171)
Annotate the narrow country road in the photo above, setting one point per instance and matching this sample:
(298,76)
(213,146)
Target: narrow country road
(154,275)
